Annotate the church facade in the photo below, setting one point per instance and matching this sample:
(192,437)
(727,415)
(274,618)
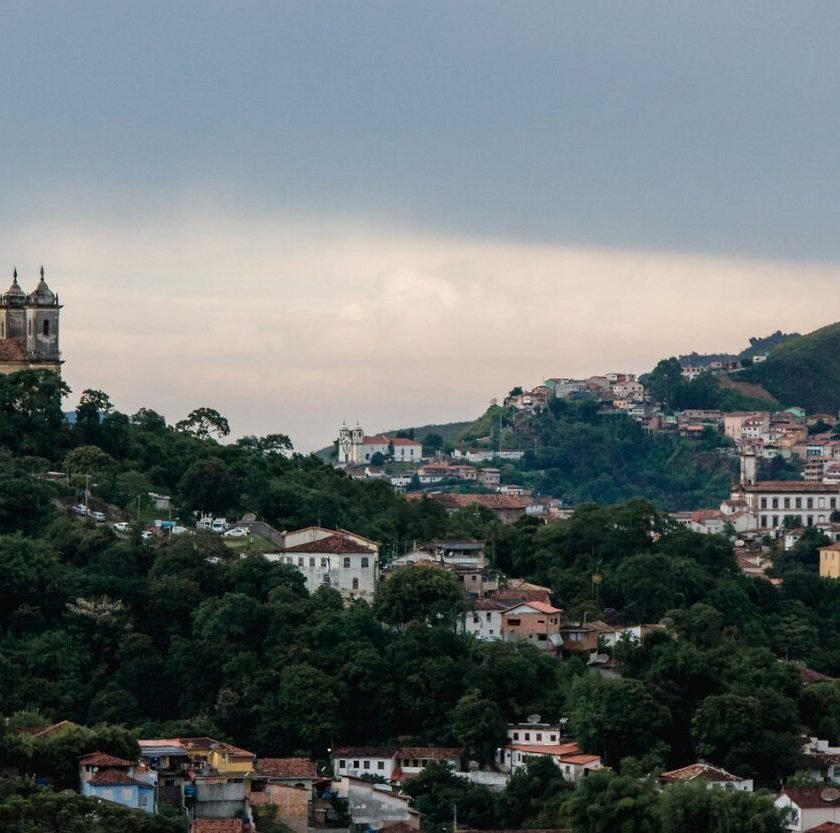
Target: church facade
(29,328)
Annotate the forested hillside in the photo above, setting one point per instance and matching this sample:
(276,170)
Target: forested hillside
(187,637)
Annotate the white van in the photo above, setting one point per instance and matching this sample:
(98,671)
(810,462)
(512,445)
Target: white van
(218,526)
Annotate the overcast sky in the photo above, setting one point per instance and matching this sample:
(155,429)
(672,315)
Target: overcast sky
(303,213)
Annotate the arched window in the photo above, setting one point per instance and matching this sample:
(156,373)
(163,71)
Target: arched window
(30,326)
(46,326)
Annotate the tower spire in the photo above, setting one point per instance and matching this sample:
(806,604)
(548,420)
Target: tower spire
(14,275)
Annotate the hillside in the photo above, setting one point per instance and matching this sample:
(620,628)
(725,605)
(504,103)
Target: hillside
(804,371)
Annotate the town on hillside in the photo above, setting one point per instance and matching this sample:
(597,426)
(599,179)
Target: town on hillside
(218,658)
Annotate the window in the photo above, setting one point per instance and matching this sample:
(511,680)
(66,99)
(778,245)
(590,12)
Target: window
(475,578)
(355,584)
(764,503)
(542,637)
(787,503)
(126,794)
(476,620)
(516,735)
(553,738)
(46,326)
(810,520)
(365,562)
(142,801)
(513,622)
(347,563)
(326,579)
(342,764)
(809,503)
(311,562)
(300,561)
(775,520)
(489,616)
(764,520)
(539,735)
(832,502)
(30,327)
(527,736)
(797,502)
(380,764)
(367,764)
(775,503)
(324,562)
(355,764)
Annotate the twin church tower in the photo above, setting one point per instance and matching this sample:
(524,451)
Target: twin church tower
(29,328)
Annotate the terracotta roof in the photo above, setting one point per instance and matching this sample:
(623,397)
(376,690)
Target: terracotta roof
(216,826)
(115,778)
(492,502)
(561,749)
(542,607)
(286,768)
(825,827)
(808,676)
(336,544)
(698,771)
(440,753)
(489,604)
(365,751)
(376,439)
(832,548)
(404,441)
(809,798)
(101,759)
(217,745)
(579,760)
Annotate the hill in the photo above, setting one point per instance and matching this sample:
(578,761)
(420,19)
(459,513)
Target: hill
(803,371)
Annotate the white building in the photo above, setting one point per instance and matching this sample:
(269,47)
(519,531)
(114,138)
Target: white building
(332,557)
(393,763)
(771,501)
(484,619)
(567,756)
(809,807)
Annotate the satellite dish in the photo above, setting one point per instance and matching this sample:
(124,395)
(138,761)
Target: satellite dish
(533,718)
(830,794)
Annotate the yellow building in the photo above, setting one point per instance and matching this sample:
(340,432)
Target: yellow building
(830,561)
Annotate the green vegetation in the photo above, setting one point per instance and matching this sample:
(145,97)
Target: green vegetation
(187,637)
(804,371)
(582,455)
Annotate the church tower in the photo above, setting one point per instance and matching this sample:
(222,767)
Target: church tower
(42,310)
(13,311)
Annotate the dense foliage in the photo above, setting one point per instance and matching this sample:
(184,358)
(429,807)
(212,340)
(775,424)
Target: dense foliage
(188,636)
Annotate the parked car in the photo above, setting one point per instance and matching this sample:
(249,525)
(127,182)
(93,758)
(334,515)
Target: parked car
(122,527)
(236,532)
(218,526)
(146,535)
(79,509)
(178,530)
(99,517)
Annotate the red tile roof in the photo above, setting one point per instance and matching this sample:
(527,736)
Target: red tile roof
(101,759)
(286,768)
(115,778)
(809,798)
(825,827)
(365,752)
(438,753)
(703,772)
(404,441)
(790,486)
(335,544)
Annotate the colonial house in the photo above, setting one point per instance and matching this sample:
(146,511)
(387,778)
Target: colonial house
(483,619)
(567,756)
(406,450)
(809,807)
(771,501)
(115,779)
(287,784)
(118,786)
(713,777)
(534,622)
(821,760)
(830,561)
(391,763)
(332,557)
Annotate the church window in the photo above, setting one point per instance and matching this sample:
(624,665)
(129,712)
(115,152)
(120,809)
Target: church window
(2,329)
(46,326)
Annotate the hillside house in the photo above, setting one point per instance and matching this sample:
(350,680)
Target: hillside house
(821,760)
(333,557)
(394,764)
(809,807)
(770,501)
(830,561)
(566,755)
(534,622)
(713,777)
(114,779)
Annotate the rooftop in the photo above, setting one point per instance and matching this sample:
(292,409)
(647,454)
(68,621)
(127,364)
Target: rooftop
(286,768)
(704,772)
(115,778)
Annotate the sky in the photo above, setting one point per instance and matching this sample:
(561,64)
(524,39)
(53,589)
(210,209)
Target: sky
(390,212)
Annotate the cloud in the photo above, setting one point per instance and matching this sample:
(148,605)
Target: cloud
(291,325)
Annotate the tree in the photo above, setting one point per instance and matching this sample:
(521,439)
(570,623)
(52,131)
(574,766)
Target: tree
(727,731)
(617,718)
(148,420)
(89,459)
(529,790)
(204,423)
(208,485)
(607,803)
(479,726)
(422,594)
(432,444)
(665,381)
(696,808)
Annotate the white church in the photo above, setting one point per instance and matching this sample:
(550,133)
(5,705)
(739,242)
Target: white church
(355,447)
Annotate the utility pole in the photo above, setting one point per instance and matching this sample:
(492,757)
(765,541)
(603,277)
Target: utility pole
(87,491)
